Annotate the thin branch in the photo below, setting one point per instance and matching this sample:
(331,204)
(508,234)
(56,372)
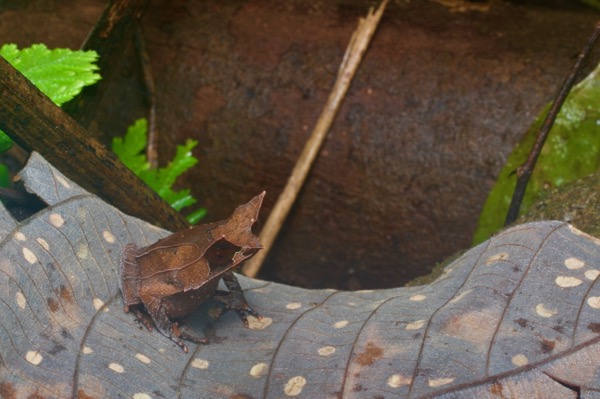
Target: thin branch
(524,171)
(352,58)
(151,148)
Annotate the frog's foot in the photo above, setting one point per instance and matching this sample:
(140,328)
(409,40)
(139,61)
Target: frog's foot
(193,338)
(234,300)
(177,336)
(174,334)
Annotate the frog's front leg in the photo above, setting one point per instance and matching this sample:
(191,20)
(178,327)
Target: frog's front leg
(140,315)
(167,327)
(234,299)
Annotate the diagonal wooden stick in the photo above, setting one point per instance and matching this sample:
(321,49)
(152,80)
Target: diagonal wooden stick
(354,53)
(524,171)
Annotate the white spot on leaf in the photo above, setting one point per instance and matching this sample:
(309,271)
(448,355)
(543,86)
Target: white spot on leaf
(108,236)
(415,325)
(20,298)
(142,358)
(340,324)
(567,281)
(293,305)
(43,243)
(256,324)
(398,380)
(83,251)
(543,311)
(294,386)
(259,369)
(592,274)
(141,395)
(418,297)
(29,256)
(116,367)
(574,263)
(594,302)
(438,382)
(56,220)
(20,236)
(87,350)
(34,357)
(326,351)
(520,360)
(98,303)
(200,364)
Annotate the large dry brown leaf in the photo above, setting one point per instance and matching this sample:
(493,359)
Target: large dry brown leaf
(517,316)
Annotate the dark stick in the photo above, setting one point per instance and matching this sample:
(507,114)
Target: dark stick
(36,123)
(524,171)
(151,151)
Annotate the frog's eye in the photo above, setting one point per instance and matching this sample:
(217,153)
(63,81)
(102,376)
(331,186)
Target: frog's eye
(221,252)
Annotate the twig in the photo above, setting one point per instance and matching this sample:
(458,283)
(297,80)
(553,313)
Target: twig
(151,151)
(524,171)
(352,58)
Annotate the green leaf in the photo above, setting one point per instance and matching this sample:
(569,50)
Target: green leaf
(4,176)
(5,142)
(162,179)
(570,152)
(130,149)
(196,216)
(59,73)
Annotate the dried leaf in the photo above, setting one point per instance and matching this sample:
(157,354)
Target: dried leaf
(517,316)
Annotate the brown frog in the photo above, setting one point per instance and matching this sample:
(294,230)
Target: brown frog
(174,276)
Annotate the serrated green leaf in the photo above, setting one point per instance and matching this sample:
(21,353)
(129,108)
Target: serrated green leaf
(182,199)
(570,152)
(183,161)
(59,73)
(130,148)
(196,216)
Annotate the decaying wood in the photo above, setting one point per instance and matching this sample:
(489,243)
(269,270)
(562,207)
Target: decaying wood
(34,122)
